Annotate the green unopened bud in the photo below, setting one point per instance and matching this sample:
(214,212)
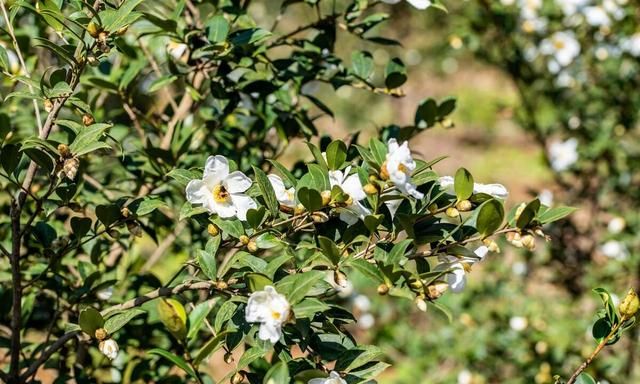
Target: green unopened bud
(464,206)
(452,212)
(383,289)
(629,306)
(252,247)
(326,197)
(213,229)
(237,378)
(416,284)
(122,30)
(370,189)
(101,334)
(93,29)
(433,208)
(244,239)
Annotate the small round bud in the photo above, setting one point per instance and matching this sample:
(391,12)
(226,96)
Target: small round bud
(370,189)
(238,378)
(299,209)
(383,289)
(421,304)
(252,246)
(87,119)
(114,233)
(93,29)
(244,239)
(416,284)
(125,212)
(221,285)
(213,229)
(433,208)
(491,245)
(326,197)
(384,173)
(529,242)
(515,239)
(122,30)
(63,149)
(340,279)
(436,289)
(93,60)
(101,334)
(447,123)
(48,105)
(452,212)
(373,178)
(228,358)
(134,228)
(102,36)
(629,306)
(319,217)
(464,206)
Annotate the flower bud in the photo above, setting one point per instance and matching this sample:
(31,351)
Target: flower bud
(221,285)
(370,189)
(383,289)
(373,178)
(326,197)
(244,239)
(384,173)
(519,211)
(433,208)
(252,246)
(70,168)
(238,378)
(92,60)
(319,217)
(102,36)
(122,30)
(48,105)
(228,358)
(340,279)
(452,212)
(491,245)
(125,212)
(529,242)
(629,306)
(416,284)
(101,334)
(93,29)
(464,206)
(436,289)
(109,348)
(447,123)
(421,304)
(134,228)
(87,119)
(299,209)
(213,229)
(63,150)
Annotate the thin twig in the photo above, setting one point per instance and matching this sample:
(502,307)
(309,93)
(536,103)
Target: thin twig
(33,368)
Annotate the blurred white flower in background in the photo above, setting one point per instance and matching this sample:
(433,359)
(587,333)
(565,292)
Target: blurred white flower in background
(105,294)
(420,4)
(362,303)
(177,50)
(546,197)
(596,16)
(562,47)
(334,378)
(615,250)
(366,321)
(563,154)
(465,377)
(631,44)
(616,225)
(271,310)
(518,323)
(571,7)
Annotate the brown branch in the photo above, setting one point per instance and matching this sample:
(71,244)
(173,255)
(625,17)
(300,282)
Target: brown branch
(33,368)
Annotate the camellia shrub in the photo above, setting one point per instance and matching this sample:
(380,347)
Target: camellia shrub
(140,132)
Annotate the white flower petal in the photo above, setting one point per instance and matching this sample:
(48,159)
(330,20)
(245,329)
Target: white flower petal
(224,210)
(237,182)
(270,331)
(242,204)
(216,167)
(496,190)
(420,4)
(284,196)
(353,187)
(198,193)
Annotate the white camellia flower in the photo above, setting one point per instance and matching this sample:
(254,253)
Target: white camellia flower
(562,155)
(518,323)
(286,197)
(398,166)
(563,47)
(105,294)
(571,7)
(221,192)
(616,225)
(614,250)
(496,190)
(351,185)
(465,377)
(177,50)
(334,378)
(596,16)
(458,268)
(109,348)
(632,44)
(546,197)
(271,310)
(420,4)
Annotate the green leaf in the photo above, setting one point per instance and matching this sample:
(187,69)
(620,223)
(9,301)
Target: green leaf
(257,281)
(149,205)
(172,314)
(268,240)
(362,64)
(585,378)
(426,114)
(176,360)
(278,374)
(370,271)
(396,256)
(108,214)
(395,74)
(249,36)
(307,308)
(357,357)
(90,320)
(336,154)
(4,60)
(217,29)
(231,227)
(528,214)
(266,189)
(555,214)
(211,346)
(285,173)
(601,329)
(10,157)
(197,316)
(161,82)
(225,312)
(463,184)
(114,323)
(80,226)
(112,20)
(329,249)
(490,216)
(207,262)
(183,176)
(310,199)
(296,287)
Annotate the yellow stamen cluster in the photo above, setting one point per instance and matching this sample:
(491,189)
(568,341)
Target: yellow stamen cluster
(220,194)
